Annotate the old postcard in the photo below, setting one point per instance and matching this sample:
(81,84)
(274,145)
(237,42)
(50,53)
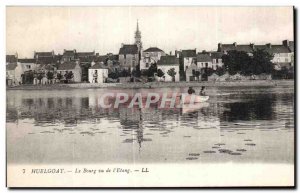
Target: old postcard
(150,96)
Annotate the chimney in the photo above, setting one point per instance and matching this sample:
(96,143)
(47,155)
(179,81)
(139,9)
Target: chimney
(122,45)
(234,43)
(97,54)
(170,53)
(286,43)
(252,46)
(219,47)
(269,45)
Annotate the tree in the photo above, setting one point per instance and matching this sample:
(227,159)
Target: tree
(160,73)
(197,74)
(171,72)
(261,63)
(59,76)
(40,76)
(50,75)
(69,76)
(236,62)
(220,71)
(151,70)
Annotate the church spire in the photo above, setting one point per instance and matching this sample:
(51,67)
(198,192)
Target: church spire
(138,37)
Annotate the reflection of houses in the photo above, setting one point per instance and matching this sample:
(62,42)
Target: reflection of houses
(98,73)
(151,56)
(167,63)
(73,67)
(129,56)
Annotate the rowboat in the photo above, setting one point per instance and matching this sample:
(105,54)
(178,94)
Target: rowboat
(192,98)
(187,108)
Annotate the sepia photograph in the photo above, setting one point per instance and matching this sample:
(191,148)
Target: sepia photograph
(150,96)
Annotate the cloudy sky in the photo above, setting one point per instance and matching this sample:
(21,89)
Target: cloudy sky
(103,29)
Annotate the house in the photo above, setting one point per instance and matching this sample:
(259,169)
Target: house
(290,46)
(98,73)
(188,57)
(224,48)
(204,60)
(111,61)
(282,54)
(28,64)
(14,73)
(191,72)
(86,57)
(167,63)
(150,56)
(44,57)
(11,58)
(68,67)
(216,59)
(129,56)
(68,55)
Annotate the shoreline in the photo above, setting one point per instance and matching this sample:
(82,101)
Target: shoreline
(149,85)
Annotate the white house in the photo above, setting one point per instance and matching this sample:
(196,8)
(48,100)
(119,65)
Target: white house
(98,73)
(150,56)
(188,57)
(167,63)
(13,74)
(74,67)
(204,60)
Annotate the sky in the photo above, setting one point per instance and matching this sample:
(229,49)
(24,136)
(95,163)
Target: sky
(104,29)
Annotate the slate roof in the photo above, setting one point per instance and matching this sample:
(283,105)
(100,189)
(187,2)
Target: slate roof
(27,60)
(168,60)
(67,66)
(85,54)
(188,53)
(153,49)
(229,47)
(274,49)
(69,52)
(216,55)
(11,66)
(11,58)
(129,49)
(44,54)
(204,58)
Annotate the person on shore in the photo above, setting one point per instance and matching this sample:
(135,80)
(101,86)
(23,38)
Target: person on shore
(191,90)
(202,92)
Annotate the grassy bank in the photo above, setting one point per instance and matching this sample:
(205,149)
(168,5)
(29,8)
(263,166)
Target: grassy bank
(256,83)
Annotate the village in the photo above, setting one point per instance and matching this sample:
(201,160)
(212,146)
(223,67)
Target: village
(133,63)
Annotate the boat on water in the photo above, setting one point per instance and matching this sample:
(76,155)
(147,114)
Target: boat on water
(192,98)
(187,108)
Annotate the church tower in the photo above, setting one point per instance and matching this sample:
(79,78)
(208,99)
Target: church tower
(138,37)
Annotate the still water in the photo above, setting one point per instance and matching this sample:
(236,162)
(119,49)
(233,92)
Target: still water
(235,125)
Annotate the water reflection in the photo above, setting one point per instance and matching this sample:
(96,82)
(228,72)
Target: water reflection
(235,125)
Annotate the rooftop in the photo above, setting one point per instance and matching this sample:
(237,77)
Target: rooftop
(67,66)
(153,49)
(168,60)
(129,49)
